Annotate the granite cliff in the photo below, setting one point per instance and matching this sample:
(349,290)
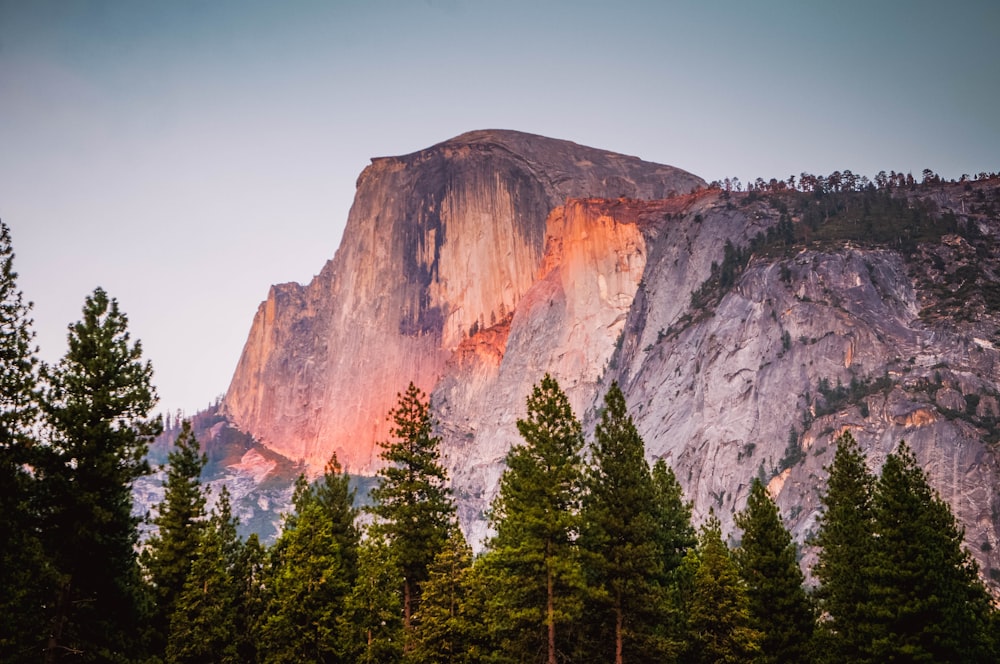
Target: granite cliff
(745,333)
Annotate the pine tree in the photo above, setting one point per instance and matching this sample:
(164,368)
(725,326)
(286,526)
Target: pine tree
(926,603)
(180,521)
(249,579)
(619,534)
(371,627)
(26,577)
(311,575)
(779,607)
(204,621)
(845,540)
(718,611)
(413,502)
(675,537)
(96,408)
(539,578)
(441,626)
(675,533)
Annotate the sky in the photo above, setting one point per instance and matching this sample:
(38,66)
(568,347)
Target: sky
(186,155)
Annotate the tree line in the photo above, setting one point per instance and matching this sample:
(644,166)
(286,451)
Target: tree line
(593,554)
(842,181)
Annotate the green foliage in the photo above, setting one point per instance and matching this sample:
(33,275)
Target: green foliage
(926,602)
(619,535)
(204,625)
(180,519)
(538,578)
(313,567)
(845,538)
(96,408)
(767,559)
(442,625)
(413,502)
(719,627)
(371,626)
(26,577)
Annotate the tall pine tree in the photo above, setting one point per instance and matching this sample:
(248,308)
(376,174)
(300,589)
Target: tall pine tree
(926,602)
(719,628)
(619,535)
(26,578)
(779,607)
(536,517)
(313,565)
(413,502)
(845,540)
(180,519)
(371,627)
(204,621)
(97,411)
(442,629)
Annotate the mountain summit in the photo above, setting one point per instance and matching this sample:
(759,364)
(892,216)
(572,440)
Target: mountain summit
(747,329)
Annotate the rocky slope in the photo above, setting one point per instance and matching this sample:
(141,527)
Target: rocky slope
(747,330)
(438,244)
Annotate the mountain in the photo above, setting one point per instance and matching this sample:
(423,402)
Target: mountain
(747,329)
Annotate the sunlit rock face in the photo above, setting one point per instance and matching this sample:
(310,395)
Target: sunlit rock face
(476,266)
(439,245)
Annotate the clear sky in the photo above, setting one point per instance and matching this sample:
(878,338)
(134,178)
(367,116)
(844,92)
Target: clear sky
(185,155)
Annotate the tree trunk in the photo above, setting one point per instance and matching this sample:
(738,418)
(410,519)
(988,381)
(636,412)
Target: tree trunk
(550,611)
(618,632)
(407,609)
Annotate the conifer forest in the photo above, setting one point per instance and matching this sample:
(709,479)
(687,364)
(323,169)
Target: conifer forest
(593,554)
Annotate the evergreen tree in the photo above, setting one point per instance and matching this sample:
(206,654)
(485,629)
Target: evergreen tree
(716,604)
(371,627)
(675,537)
(204,620)
(441,625)
(539,578)
(675,533)
(926,603)
(619,534)
(779,607)
(249,579)
(845,539)
(312,573)
(180,520)
(26,578)
(96,407)
(413,502)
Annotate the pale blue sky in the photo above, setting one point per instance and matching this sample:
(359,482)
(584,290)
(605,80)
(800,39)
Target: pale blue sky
(185,155)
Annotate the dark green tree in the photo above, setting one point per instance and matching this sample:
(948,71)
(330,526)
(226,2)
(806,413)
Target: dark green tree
(96,408)
(845,539)
(26,578)
(675,533)
(926,602)
(204,623)
(249,579)
(180,520)
(538,578)
(371,627)
(413,503)
(442,629)
(313,563)
(619,536)
(715,600)
(767,559)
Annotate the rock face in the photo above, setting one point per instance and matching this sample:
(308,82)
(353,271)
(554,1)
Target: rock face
(476,266)
(439,244)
